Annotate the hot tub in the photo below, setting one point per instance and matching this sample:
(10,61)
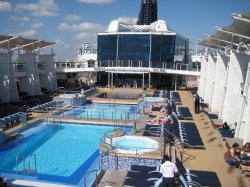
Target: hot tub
(134,144)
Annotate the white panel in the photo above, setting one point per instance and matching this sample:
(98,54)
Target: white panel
(203,73)
(219,82)
(4,77)
(236,76)
(209,80)
(30,83)
(48,78)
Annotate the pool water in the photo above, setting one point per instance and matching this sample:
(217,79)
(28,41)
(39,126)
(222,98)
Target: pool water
(134,145)
(59,151)
(153,99)
(105,111)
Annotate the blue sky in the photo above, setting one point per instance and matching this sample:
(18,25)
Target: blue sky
(73,22)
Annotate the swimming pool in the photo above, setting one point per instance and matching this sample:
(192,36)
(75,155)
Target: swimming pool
(153,99)
(104,111)
(134,144)
(63,153)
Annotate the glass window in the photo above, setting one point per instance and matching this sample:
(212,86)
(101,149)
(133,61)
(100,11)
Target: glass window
(107,45)
(134,47)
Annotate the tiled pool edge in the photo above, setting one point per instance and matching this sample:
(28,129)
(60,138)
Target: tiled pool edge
(109,162)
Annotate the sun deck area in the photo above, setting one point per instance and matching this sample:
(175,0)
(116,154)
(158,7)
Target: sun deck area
(207,158)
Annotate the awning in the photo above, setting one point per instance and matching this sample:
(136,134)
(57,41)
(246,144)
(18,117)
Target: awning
(18,42)
(237,34)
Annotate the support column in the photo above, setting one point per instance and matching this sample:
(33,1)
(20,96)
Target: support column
(112,80)
(108,79)
(149,79)
(143,81)
(175,83)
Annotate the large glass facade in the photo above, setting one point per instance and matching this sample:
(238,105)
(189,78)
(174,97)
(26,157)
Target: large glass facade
(107,47)
(135,47)
(162,50)
(133,50)
(181,49)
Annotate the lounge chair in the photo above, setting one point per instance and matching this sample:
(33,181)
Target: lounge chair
(184,113)
(153,175)
(138,182)
(199,177)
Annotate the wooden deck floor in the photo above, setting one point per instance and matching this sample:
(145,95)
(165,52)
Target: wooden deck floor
(114,178)
(211,159)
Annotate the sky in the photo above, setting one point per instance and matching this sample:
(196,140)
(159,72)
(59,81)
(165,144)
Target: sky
(71,23)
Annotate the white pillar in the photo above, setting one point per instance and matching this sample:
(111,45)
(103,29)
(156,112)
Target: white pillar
(219,82)
(236,76)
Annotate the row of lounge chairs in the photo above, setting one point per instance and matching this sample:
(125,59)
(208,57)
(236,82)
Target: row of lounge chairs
(150,176)
(10,121)
(44,107)
(183,113)
(90,91)
(175,97)
(187,133)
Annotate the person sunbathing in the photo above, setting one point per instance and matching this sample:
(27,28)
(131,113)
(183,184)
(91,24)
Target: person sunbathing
(245,150)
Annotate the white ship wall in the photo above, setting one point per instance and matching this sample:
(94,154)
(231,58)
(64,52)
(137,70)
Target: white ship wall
(48,78)
(236,76)
(219,82)
(243,125)
(202,79)
(209,79)
(8,84)
(30,83)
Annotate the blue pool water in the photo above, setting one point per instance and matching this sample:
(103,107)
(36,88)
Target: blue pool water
(104,111)
(134,145)
(153,99)
(65,152)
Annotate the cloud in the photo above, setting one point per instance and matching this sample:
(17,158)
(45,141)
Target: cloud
(5,6)
(86,36)
(96,1)
(41,8)
(19,18)
(72,17)
(28,33)
(127,20)
(68,46)
(37,25)
(59,41)
(80,27)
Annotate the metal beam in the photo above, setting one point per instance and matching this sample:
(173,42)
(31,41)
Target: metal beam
(219,39)
(239,17)
(7,40)
(230,32)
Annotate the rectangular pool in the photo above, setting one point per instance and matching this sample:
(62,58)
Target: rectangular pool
(62,153)
(104,111)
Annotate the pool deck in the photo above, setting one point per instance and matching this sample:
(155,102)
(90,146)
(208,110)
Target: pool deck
(210,159)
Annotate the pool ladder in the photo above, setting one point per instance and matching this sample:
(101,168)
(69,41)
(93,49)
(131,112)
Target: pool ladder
(28,170)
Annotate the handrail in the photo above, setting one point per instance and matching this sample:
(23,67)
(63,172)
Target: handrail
(92,171)
(29,163)
(17,156)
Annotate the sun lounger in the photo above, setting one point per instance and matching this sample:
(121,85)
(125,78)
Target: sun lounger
(204,178)
(138,182)
(175,97)
(145,176)
(183,113)
(190,134)
(245,169)
(226,132)
(144,169)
